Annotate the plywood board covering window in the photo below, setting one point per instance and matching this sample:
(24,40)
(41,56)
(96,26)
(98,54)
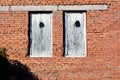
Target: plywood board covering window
(40,34)
(75,34)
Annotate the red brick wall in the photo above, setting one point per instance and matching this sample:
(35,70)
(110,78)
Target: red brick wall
(54,2)
(103,42)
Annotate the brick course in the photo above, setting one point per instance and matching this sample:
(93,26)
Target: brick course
(103,42)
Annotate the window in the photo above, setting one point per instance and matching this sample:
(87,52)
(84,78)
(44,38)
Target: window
(40,34)
(75,34)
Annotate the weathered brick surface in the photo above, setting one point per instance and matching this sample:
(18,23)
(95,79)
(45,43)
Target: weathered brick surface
(54,2)
(103,42)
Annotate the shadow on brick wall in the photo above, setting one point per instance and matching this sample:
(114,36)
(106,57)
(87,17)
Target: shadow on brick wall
(14,70)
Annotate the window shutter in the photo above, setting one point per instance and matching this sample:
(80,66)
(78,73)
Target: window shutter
(41,44)
(75,34)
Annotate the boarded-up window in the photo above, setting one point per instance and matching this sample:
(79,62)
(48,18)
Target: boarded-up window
(75,34)
(40,34)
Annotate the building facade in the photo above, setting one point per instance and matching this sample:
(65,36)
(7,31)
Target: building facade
(63,54)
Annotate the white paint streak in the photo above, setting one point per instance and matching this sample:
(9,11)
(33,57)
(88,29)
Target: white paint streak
(4,8)
(82,7)
(53,7)
(34,8)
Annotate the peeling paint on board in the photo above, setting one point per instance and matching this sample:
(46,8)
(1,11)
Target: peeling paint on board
(41,25)
(75,34)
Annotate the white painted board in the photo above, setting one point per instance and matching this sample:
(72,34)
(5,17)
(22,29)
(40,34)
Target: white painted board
(41,43)
(75,34)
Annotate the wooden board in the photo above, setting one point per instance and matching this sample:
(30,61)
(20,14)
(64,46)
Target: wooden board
(75,34)
(40,35)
